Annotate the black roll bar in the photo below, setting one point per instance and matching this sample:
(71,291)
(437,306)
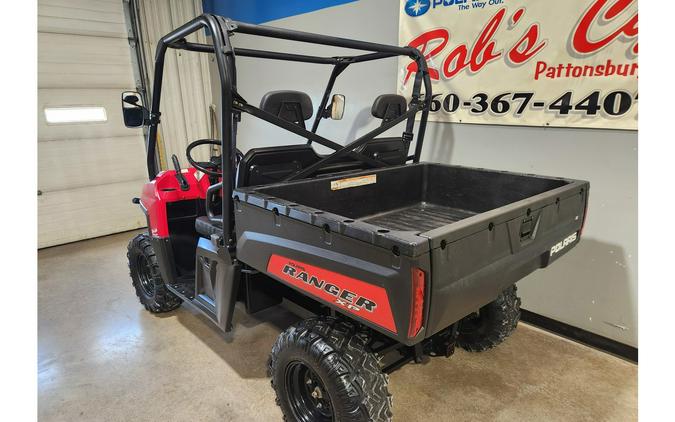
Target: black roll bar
(347,149)
(337,69)
(292,127)
(261,54)
(232,105)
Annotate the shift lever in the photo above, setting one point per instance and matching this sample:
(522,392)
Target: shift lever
(182,181)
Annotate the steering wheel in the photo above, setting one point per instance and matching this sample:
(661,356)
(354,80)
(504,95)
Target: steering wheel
(214,163)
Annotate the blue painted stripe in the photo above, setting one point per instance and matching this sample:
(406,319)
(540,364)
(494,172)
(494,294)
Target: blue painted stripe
(259,11)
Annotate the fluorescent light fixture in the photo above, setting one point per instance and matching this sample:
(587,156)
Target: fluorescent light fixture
(75,114)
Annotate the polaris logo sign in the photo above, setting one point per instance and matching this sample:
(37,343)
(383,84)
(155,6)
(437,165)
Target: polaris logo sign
(563,243)
(417,8)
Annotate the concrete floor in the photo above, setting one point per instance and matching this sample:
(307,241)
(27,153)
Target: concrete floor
(103,357)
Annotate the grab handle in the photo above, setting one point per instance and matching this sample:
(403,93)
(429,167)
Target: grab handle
(210,192)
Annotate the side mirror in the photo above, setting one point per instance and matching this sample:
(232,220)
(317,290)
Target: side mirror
(133,112)
(131,99)
(337,107)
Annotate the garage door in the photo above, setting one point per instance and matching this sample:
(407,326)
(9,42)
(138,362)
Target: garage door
(89,164)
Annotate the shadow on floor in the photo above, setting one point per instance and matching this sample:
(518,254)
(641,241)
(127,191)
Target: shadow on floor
(246,348)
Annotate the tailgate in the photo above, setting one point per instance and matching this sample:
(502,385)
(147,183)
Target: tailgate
(473,260)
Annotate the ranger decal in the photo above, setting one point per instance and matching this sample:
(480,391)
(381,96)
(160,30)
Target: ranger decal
(365,300)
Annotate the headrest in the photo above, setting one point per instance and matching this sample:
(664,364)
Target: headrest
(292,106)
(389,107)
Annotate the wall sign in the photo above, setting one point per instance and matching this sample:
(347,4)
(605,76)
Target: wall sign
(569,63)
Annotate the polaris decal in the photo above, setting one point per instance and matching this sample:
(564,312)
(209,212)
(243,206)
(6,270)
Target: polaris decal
(363,299)
(563,243)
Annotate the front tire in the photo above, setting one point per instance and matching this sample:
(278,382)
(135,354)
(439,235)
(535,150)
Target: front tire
(322,370)
(146,277)
(492,324)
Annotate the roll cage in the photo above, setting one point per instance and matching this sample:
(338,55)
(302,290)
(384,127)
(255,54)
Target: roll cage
(232,104)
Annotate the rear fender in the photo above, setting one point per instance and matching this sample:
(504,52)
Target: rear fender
(365,282)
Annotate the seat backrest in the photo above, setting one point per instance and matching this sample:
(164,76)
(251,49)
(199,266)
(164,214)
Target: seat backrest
(394,150)
(389,107)
(292,106)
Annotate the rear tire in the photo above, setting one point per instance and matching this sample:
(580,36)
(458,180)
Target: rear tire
(322,370)
(492,324)
(146,277)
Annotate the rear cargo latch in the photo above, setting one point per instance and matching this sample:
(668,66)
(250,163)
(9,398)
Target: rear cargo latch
(526,228)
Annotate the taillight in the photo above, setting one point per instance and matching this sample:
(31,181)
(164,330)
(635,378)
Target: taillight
(416,302)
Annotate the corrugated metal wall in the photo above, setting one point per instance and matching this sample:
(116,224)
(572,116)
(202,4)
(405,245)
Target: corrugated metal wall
(186,91)
(87,172)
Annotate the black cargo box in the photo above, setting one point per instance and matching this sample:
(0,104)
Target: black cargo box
(474,231)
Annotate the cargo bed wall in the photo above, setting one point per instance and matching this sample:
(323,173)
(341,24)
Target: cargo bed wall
(415,197)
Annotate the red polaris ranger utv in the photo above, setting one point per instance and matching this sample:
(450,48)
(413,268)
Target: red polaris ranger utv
(397,259)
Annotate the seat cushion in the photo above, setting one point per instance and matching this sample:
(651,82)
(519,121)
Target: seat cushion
(206,227)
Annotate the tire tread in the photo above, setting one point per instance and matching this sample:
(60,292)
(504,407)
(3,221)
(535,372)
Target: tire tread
(164,300)
(506,311)
(363,392)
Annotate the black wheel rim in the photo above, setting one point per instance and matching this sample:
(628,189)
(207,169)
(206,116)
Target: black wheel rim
(307,394)
(145,278)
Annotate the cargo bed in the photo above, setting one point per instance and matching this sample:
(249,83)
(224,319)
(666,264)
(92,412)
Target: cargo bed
(473,231)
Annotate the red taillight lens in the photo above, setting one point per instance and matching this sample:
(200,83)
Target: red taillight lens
(417,302)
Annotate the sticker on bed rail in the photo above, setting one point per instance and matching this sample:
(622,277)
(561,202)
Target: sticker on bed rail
(353,182)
